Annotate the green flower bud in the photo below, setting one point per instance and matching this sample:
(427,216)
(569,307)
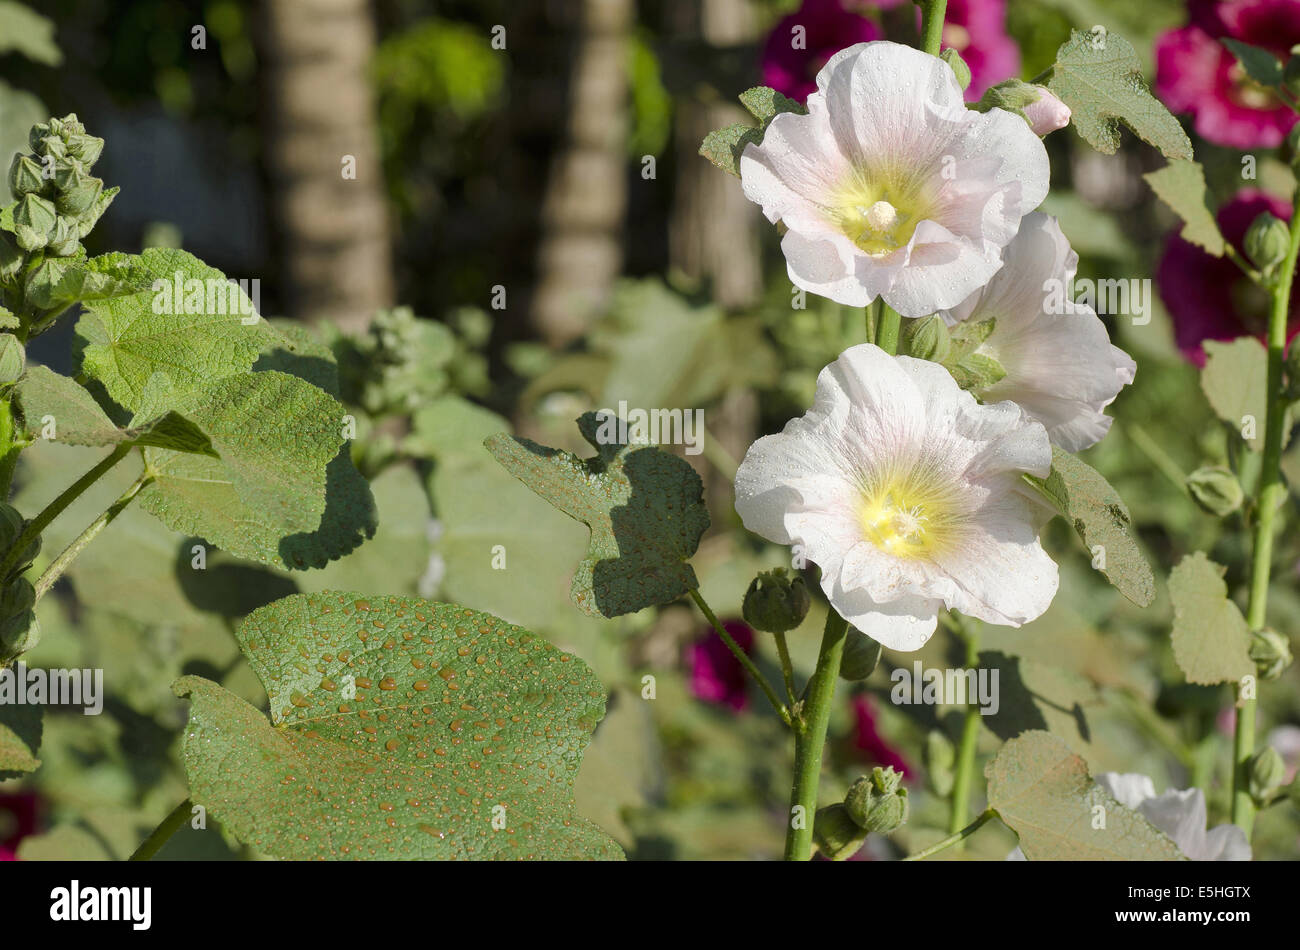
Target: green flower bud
(1267,773)
(11,525)
(27,556)
(1267,241)
(1271,652)
(776,602)
(959,67)
(1216,490)
(938,756)
(878,802)
(13,358)
(63,242)
(1012,96)
(25,176)
(861,654)
(85,148)
(836,835)
(18,596)
(77,192)
(927,339)
(35,215)
(18,634)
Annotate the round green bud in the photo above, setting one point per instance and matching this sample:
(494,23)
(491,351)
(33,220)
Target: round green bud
(927,339)
(36,213)
(18,634)
(25,176)
(861,654)
(1267,772)
(1271,652)
(776,601)
(1267,240)
(1216,490)
(13,358)
(77,192)
(836,835)
(959,67)
(878,802)
(17,597)
(85,148)
(64,241)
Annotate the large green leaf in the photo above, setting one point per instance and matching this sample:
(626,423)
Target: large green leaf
(283,491)
(60,282)
(1099,77)
(725,146)
(124,342)
(1085,499)
(1181,185)
(644,507)
(24,30)
(1210,637)
(78,420)
(1235,381)
(399,729)
(1042,791)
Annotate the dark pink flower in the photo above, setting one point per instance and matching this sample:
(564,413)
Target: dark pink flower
(1208,297)
(1196,74)
(19,817)
(716,674)
(866,737)
(977,29)
(828,27)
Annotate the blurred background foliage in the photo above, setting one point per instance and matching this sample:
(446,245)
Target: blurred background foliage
(556,245)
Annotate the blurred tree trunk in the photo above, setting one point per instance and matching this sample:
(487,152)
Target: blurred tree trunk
(713,233)
(332,230)
(580,251)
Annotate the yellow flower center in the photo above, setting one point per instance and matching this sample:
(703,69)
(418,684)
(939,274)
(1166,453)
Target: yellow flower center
(908,517)
(876,218)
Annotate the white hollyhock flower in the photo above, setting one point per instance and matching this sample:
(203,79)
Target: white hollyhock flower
(906,492)
(890,186)
(1060,364)
(1180,814)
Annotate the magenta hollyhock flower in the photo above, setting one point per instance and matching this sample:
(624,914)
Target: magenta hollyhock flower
(19,817)
(866,738)
(1196,74)
(792,58)
(716,674)
(977,29)
(1208,297)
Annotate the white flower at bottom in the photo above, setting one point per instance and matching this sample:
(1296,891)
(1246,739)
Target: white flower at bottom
(907,493)
(1179,813)
(1060,366)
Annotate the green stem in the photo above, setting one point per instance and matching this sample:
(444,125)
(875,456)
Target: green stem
(160,835)
(787,668)
(1272,491)
(887,329)
(954,838)
(810,737)
(56,507)
(959,807)
(932,14)
(61,563)
(743,658)
(1157,455)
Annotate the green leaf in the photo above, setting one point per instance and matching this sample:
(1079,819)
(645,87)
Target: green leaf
(1259,64)
(25,31)
(20,737)
(723,147)
(1099,77)
(60,282)
(297,351)
(1042,791)
(1210,637)
(1181,185)
(78,419)
(125,342)
(1085,499)
(1235,381)
(765,104)
(283,491)
(645,509)
(399,730)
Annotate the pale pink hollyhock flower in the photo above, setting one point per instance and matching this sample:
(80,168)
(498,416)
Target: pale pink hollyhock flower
(890,187)
(907,493)
(1047,113)
(1061,366)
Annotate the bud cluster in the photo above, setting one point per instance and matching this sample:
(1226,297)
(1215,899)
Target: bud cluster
(875,803)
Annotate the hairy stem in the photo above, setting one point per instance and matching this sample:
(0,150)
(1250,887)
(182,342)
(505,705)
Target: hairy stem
(959,807)
(56,507)
(887,329)
(743,658)
(69,554)
(810,738)
(955,838)
(932,14)
(160,835)
(787,668)
(1272,491)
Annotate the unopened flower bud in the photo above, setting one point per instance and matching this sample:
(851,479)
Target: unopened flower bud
(1271,652)
(77,191)
(959,67)
(34,219)
(1047,113)
(1267,241)
(1267,772)
(18,634)
(776,602)
(836,835)
(64,242)
(85,148)
(25,176)
(13,358)
(1216,490)
(861,654)
(878,802)
(928,339)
